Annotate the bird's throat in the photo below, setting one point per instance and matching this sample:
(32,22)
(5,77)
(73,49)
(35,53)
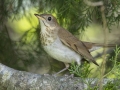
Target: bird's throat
(47,36)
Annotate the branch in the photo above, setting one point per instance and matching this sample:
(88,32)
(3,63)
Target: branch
(11,79)
(105,28)
(89,3)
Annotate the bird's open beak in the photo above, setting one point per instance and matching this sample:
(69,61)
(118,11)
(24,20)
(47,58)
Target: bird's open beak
(38,16)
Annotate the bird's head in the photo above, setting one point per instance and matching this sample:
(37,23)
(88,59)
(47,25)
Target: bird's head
(47,20)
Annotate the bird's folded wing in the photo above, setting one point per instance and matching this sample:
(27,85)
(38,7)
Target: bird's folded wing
(74,43)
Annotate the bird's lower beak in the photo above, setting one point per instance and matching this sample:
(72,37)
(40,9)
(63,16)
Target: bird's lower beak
(38,16)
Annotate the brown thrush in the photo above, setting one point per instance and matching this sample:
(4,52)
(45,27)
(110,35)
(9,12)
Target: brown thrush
(61,44)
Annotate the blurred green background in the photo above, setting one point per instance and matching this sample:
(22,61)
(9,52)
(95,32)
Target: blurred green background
(20,46)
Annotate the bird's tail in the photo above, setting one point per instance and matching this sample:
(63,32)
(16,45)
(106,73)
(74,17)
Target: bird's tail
(95,46)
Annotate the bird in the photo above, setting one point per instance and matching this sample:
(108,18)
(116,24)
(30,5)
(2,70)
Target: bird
(62,45)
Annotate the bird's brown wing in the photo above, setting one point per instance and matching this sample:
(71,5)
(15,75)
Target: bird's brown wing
(74,43)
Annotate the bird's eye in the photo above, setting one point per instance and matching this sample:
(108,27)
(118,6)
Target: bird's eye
(49,18)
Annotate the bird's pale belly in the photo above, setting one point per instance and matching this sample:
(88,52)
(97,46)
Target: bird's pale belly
(60,52)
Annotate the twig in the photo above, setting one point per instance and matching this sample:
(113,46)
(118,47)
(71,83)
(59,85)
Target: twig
(105,28)
(117,51)
(89,3)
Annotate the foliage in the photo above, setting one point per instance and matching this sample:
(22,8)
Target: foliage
(82,71)
(110,85)
(116,64)
(74,15)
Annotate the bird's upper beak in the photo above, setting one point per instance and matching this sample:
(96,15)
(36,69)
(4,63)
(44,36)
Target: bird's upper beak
(38,16)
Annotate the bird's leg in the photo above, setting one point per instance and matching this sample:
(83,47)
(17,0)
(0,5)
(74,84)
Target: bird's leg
(66,67)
